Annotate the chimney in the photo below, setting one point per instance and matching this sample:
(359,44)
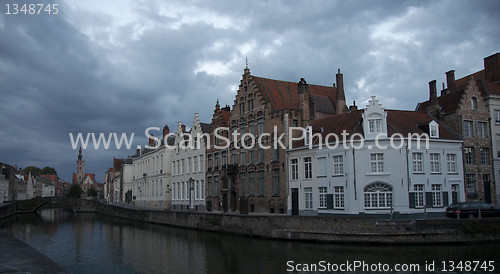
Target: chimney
(138,151)
(166,131)
(340,96)
(450,79)
(151,140)
(432,93)
(302,86)
(183,128)
(492,67)
(353,107)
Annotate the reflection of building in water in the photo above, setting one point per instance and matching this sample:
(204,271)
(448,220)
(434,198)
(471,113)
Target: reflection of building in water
(161,248)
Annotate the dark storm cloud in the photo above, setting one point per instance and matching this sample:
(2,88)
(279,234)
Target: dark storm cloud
(150,63)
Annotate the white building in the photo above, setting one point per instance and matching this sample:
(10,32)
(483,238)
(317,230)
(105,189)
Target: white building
(188,167)
(359,178)
(152,174)
(4,189)
(128,175)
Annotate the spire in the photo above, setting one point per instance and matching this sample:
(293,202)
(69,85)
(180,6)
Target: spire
(217,106)
(246,70)
(80,154)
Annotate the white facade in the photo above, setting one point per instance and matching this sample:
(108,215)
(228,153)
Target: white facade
(364,179)
(128,175)
(48,190)
(188,170)
(151,177)
(4,189)
(494,107)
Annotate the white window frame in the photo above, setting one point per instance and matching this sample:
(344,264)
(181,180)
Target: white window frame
(418,162)
(377,162)
(437,195)
(338,165)
(307,167)
(338,197)
(435,163)
(451,163)
(322,196)
(294,169)
(308,197)
(419,195)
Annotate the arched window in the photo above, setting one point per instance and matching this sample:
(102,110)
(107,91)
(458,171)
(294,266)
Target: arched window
(378,196)
(473,103)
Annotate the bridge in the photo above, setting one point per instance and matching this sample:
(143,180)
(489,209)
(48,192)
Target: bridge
(36,204)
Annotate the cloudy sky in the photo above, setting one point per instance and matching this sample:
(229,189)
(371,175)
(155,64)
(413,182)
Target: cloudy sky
(122,66)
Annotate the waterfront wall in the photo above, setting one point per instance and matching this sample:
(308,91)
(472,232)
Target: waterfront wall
(313,228)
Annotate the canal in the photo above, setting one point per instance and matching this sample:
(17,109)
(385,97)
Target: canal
(94,243)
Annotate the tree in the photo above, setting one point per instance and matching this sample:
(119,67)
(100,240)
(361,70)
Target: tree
(33,169)
(49,171)
(75,191)
(92,192)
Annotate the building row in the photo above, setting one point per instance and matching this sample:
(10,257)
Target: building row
(18,185)
(381,168)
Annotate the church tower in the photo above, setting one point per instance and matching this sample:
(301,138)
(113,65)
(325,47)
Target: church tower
(80,168)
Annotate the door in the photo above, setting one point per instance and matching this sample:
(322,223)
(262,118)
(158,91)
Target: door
(487,192)
(295,201)
(191,194)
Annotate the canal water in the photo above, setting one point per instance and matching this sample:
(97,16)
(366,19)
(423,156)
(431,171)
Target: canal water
(93,243)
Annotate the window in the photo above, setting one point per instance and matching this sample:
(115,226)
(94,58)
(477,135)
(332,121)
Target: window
(216,160)
(252,183)
(417,159)
(338,165)
(295,122)
(308,197)
(485,156)
(435,164)
(251,128)
(469,155)
(276,154)
(419,195)
(188,165)
(497,116)
(261,155)
(202,191)
(183,166)
(437,196)
(216,186)
(452,163)
(261,182)
(338,197)
(470,182)
(235,157)
(322,197)
(468,129)
(486,178)
(243,156)
(378,196)
(243,186)
(307,168)
(375,125)
(260,124)
(321,167)
(434,132)
(224,158)
(377,162)
(276,181)
(308,134)
(251,156)
(242,129)
(473,103)
(498,145)
(482,129)
(195,164)
(295,169)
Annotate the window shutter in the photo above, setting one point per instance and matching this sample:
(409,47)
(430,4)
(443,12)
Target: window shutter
(428,199)
(445,198)
(411,197)
(329,201)
(454,197)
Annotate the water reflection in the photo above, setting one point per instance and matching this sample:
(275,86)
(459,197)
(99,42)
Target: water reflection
(84,243)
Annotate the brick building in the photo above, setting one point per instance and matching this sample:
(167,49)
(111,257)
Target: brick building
(253,179)
(468,107)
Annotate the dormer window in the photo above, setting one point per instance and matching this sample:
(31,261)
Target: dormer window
(473,103)
(433,129)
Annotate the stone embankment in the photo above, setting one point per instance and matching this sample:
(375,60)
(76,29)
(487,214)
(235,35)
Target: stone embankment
(324,229)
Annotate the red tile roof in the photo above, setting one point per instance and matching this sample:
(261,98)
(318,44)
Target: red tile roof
(284,95)
(398,121)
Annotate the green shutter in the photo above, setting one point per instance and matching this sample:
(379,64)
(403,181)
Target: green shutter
(428,199)
(329,201)
(411,197)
